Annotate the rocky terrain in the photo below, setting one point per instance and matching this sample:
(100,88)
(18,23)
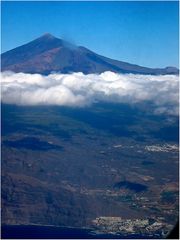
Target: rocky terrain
(67,167)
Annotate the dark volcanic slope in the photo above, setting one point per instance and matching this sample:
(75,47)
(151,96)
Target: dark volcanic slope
(48,53)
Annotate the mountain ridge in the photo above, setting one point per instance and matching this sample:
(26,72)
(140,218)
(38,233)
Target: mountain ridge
(47,54)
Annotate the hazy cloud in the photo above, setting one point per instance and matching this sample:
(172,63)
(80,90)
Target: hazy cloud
(79,90)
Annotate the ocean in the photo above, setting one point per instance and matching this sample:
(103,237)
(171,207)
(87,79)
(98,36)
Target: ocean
(51,232)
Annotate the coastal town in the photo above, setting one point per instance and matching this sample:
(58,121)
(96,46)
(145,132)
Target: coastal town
(118,225)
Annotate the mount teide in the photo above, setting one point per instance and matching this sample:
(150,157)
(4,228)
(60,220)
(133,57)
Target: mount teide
(48,53)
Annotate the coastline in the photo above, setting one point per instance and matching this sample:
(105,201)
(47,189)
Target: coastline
(37,231)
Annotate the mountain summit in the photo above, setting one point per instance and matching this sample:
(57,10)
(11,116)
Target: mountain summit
(48,53)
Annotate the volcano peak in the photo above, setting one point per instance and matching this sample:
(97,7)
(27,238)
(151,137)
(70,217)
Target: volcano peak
(47,35)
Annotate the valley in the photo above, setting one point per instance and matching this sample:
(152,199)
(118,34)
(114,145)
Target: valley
(67,167)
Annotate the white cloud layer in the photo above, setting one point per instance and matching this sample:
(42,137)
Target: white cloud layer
(79,90)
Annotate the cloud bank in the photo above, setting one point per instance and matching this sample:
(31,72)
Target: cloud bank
(80,90)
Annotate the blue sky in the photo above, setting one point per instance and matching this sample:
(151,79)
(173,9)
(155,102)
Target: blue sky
(145,33)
